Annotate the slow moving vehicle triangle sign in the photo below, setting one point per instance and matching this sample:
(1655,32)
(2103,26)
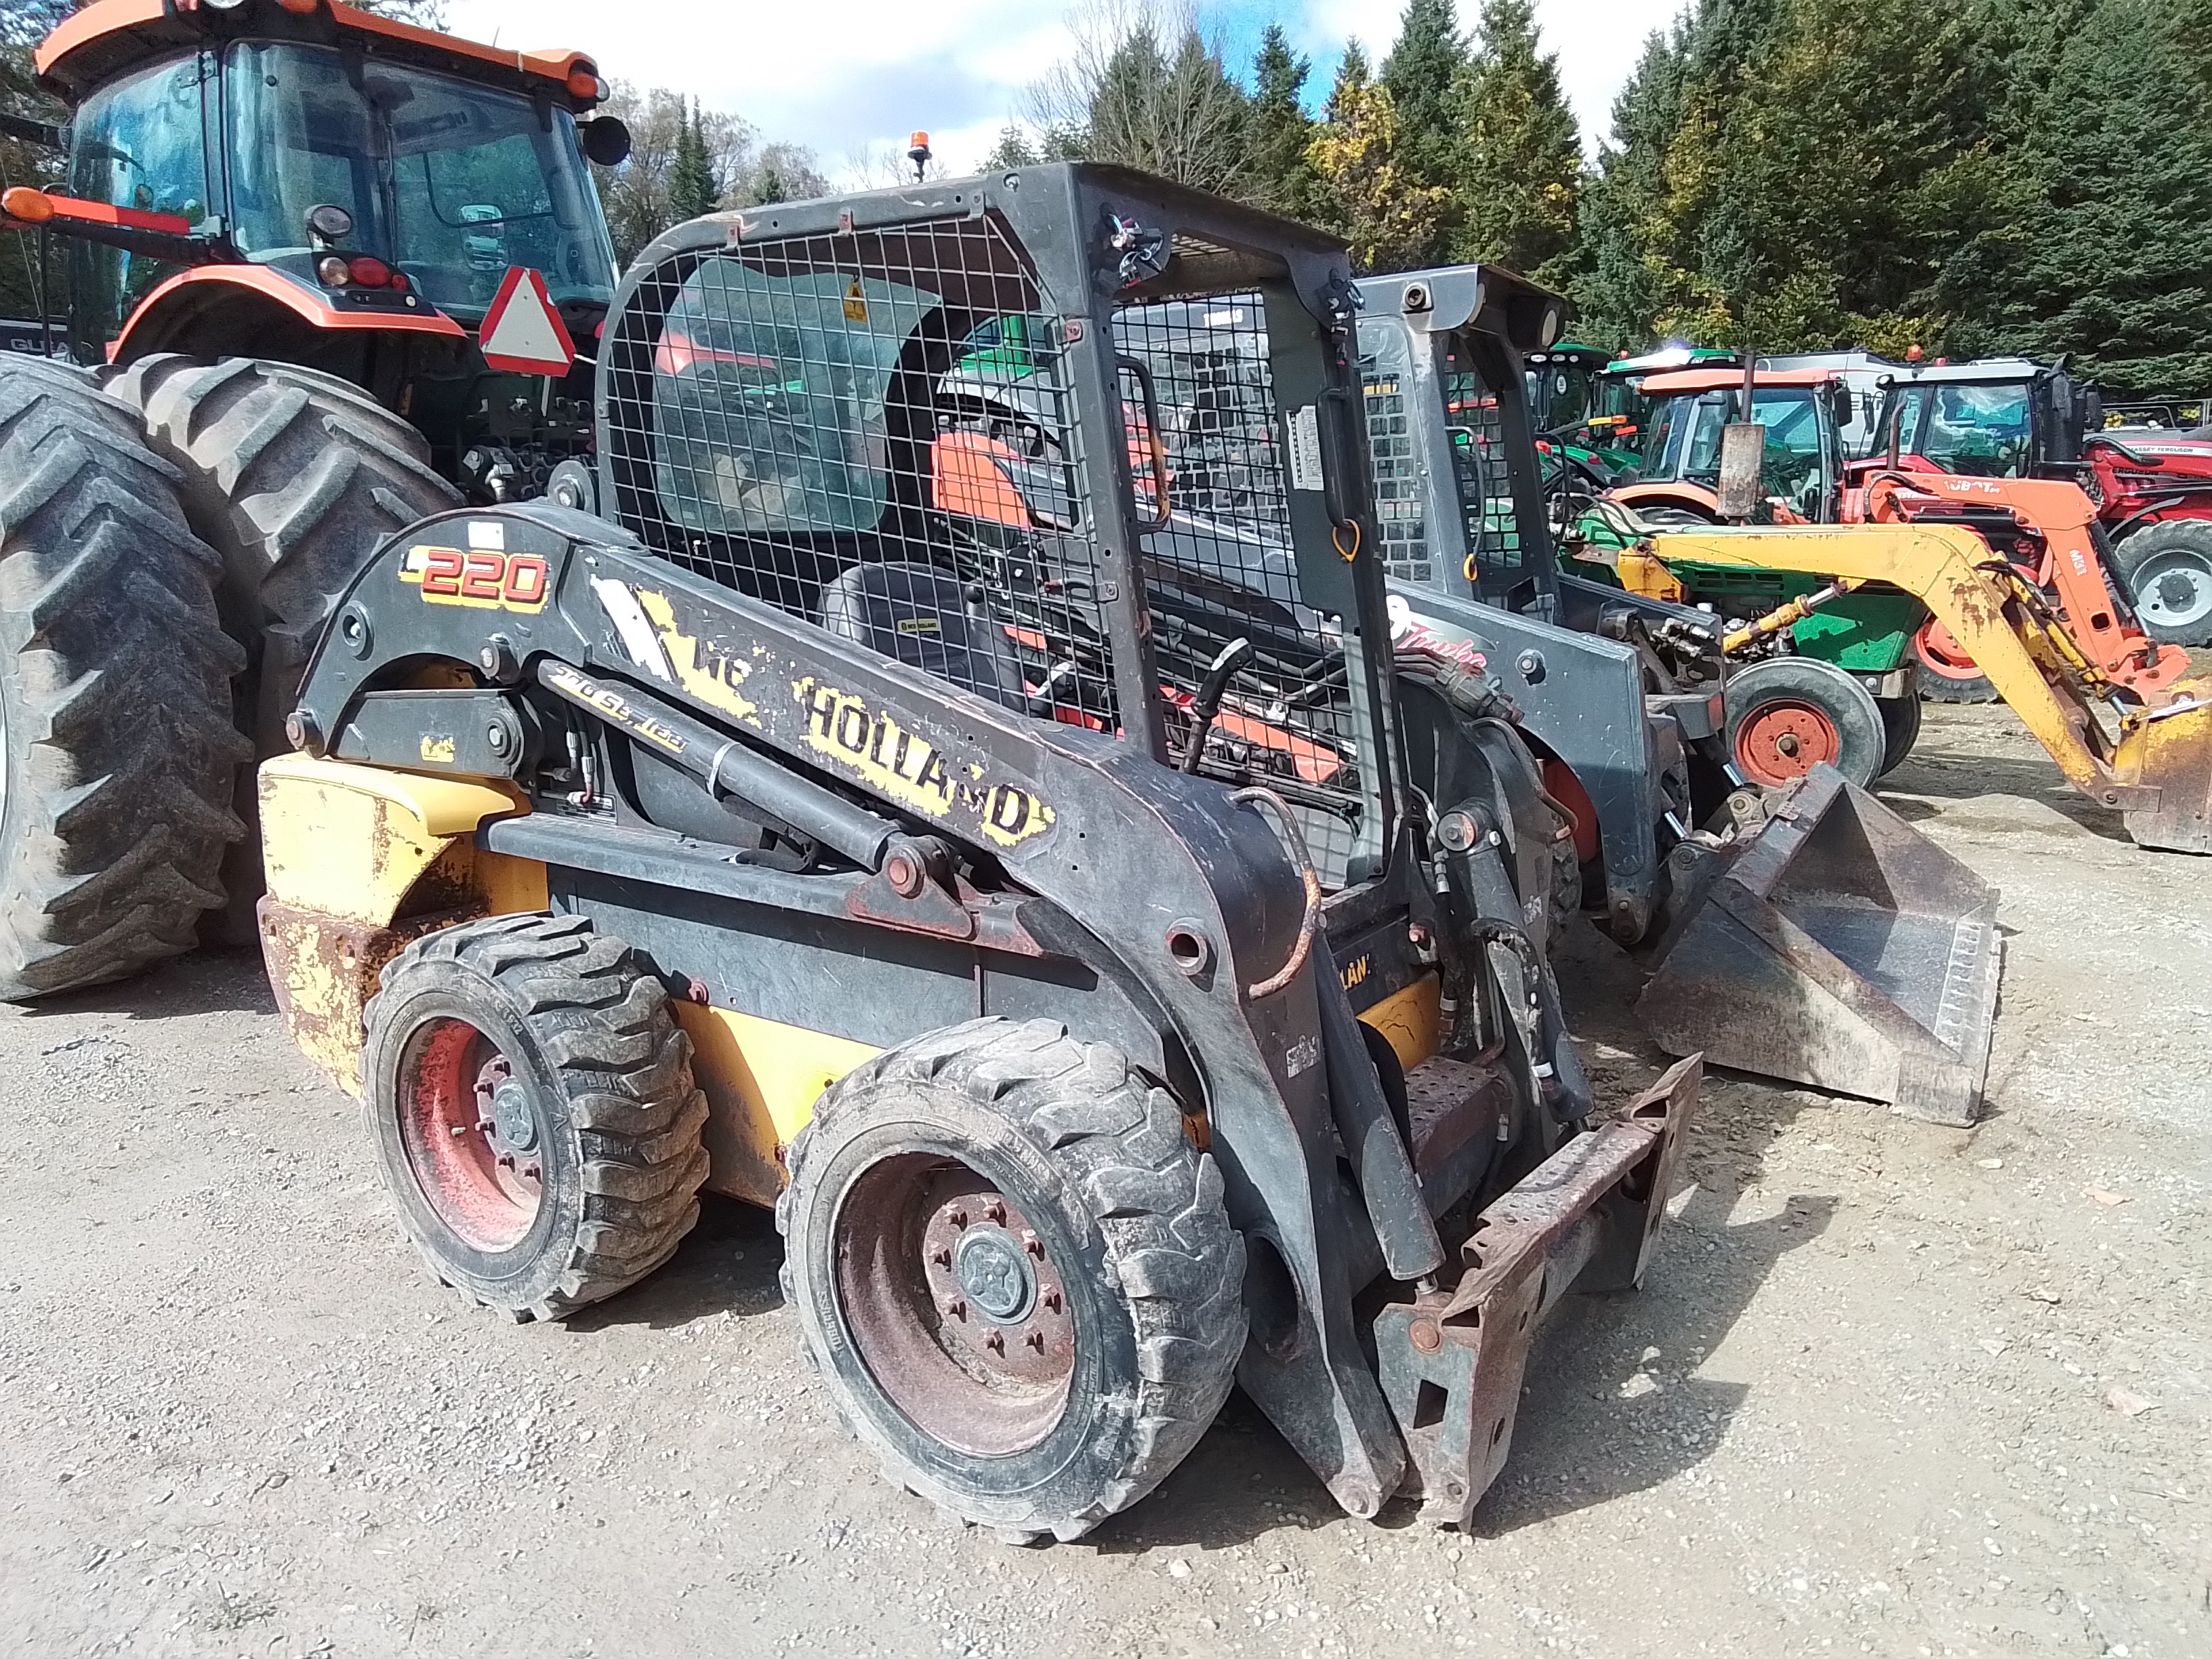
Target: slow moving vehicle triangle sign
(522,334)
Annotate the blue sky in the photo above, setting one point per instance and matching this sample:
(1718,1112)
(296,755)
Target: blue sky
(848,78)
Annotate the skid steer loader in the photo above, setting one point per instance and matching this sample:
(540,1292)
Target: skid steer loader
(1824,940)
(1097,1049)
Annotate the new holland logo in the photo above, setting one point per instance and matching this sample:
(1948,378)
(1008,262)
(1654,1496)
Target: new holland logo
(876,746)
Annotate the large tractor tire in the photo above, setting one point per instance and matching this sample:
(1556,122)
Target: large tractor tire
(117,756)
(1013,1271)
(296,478)
(532,1107)
(2167,570)
(1943,672)
(1786,714)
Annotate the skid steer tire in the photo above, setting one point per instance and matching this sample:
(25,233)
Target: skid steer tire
(1008,1180)
(534,1111)
(2167,570)
(295,476)
(1784,714)
(117,752)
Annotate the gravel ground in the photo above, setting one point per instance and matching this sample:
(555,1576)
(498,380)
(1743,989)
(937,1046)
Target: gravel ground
(1890,1389)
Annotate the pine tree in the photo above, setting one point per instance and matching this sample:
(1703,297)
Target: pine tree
(1177,113)
(1012,150)
(692,189)
(1524,159)
(1618,289)
(1277,175)
(1389,217)
(2110,263)
(1424,75)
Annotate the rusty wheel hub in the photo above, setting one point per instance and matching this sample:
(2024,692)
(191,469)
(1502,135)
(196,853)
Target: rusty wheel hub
(955,1304)
(1785,740)
(471,1134)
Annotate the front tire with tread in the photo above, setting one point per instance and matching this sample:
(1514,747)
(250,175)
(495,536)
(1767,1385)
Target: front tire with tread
(1131,1215)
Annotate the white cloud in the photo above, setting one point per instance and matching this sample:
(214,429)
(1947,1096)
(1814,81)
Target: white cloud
(843,76)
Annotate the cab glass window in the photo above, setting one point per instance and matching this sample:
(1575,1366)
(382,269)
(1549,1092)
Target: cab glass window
(136,144)
(770,399)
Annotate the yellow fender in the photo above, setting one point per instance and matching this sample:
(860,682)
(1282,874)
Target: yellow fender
(360,860)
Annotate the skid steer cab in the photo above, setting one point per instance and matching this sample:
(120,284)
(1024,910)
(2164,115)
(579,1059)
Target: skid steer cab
(901,810)
(1795,925)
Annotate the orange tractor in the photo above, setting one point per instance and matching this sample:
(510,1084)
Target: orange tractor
(328,273)
(2048,530)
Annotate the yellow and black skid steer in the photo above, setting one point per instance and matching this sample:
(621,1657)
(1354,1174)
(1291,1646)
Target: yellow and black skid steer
(1121,980)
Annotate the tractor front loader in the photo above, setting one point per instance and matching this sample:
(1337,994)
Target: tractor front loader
(1106,1022)
(1811,934)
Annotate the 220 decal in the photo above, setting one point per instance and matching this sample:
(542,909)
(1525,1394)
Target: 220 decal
(481,578)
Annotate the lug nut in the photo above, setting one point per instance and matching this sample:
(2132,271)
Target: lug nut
(506,1160)
(996,1210)
(1036,1340)
(942,1258)
(534,1172)
(1052,1300)
(485,1125)
(958,1218)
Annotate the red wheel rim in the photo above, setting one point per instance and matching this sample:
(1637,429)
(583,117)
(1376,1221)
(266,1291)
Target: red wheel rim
(471,1134)
(956,1307)
(1780,741)
(1942,655)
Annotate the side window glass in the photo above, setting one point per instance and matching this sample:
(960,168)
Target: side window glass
(137,144)
(769,395)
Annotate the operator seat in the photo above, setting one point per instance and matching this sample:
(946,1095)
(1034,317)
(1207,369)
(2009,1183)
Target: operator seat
(918,614)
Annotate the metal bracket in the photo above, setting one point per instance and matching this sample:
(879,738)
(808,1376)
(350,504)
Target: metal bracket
(1450,1363)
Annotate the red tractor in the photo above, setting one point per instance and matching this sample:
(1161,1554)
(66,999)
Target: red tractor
(2006,418)
(328,274)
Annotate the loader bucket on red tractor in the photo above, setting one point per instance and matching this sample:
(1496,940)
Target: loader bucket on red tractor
(1838,947)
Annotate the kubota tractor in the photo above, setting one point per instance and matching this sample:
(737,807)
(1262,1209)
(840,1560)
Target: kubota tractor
(286,223)
(2008,417)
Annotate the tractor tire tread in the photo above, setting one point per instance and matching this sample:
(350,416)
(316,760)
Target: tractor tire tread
(122,753)
(1118,1144)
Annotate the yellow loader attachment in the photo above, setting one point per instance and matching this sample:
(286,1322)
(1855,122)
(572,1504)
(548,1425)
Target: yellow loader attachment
(2157,769)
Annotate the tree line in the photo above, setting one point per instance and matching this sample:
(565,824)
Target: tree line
(2007,175)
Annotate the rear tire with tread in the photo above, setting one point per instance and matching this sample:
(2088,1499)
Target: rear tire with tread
(118,756)
(295,476)
(2167,570)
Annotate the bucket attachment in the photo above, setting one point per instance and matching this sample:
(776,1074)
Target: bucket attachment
(1450,1362)
(1839,947)
(2170,750)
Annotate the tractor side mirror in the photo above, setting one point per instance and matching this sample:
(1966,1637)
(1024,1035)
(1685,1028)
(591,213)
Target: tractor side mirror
(606,141)
(1840,405)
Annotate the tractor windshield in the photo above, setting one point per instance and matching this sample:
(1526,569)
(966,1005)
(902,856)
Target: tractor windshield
(1980,430)
(1682,440)
(448,181)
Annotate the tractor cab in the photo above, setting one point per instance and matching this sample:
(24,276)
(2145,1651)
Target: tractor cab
(2004,417)
(301,181)
(1803,411)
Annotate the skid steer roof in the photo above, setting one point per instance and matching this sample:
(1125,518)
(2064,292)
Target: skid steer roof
(113,37)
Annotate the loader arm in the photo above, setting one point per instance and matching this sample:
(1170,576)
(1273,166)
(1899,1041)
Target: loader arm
(2155,771)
